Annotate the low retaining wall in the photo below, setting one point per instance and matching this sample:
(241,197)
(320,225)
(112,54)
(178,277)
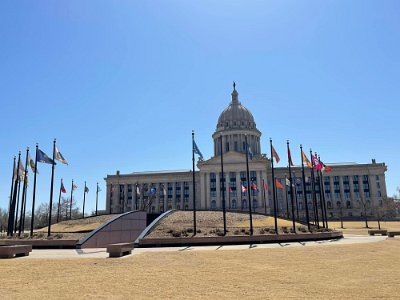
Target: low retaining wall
(124,228)
(41,244)
(237,240)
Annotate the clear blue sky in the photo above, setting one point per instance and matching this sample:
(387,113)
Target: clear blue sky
(121,84)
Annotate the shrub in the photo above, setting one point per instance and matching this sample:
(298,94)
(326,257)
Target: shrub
(198,231)
(243,230)
(262,231)
(189,230)
(220,233)
(176,233)
(236,232)
(247,232)
(170,231)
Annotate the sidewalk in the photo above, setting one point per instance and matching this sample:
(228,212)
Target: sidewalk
(101,252)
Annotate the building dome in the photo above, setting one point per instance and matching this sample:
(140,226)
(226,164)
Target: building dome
(235,116)
(235,126)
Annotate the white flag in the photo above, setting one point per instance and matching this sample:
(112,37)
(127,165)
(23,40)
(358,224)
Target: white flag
(58,156)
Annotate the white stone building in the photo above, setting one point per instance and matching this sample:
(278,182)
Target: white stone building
(347,188)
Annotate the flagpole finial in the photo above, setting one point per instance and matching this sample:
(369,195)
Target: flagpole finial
(54,140)
(234,85)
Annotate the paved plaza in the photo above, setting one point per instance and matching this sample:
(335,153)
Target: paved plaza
(101,252)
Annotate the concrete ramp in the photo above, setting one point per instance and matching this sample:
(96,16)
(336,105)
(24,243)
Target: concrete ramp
(123,228)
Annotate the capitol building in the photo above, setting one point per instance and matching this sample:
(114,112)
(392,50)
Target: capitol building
(348,188)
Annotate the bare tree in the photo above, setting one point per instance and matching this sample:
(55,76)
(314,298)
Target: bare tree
(365,205)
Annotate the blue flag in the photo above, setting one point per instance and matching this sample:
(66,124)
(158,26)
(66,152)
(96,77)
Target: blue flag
(43,158)
(196,150)
(153,191)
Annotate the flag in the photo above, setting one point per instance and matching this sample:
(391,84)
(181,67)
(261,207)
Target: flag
(275,155)
(58,156)
(317,163)
(196,150)
(230,189)
(32,164)
(15,173)
(244,190)
(137,190)
(298,180)
(278,184)
(74,187)
(153,191)
(305,159)
(265,186)
(254,186)
(21,171)
(98,189)
(307,179)
(43,158)
(63,190)
(290,157)
(325,168)
(287,181)
(86,189)
(165,192)
(250,152)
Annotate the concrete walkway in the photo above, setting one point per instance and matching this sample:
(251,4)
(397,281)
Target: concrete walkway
(101,252)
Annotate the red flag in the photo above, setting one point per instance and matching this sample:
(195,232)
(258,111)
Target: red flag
(274,154)
(244,190)
(278,184)
(63,188)
(254,186)
(317,164)
(265,186)
(230,190)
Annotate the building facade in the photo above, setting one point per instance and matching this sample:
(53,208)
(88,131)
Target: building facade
(348,190)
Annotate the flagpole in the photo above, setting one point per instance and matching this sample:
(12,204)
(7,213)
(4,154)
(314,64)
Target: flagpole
(10,229)
(320,195)
(23,216)
(84,199)
(51,188)
(291,186)
(194,188)
(23,192)
(323,196)
(70,205)
(273,187)
(313,191)
(223,187)
(248,185)
(12,184)
(295,196)
(265,199)
(34,190)
(229,196)
(59,202)
(304,189)
(97,196)
(16,212)
(287,198)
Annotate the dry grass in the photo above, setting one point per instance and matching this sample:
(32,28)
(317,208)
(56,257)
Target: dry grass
(361,271)
(358,227)
(79,225)
(209,221)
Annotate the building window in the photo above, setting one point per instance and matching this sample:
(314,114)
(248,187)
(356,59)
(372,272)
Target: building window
(186,207)
(348,204)
(379,194)
(329,204)
(255,203)
(377,177)
(234,205)
(378,185)
(355,178)
(213,204)
(244,204)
